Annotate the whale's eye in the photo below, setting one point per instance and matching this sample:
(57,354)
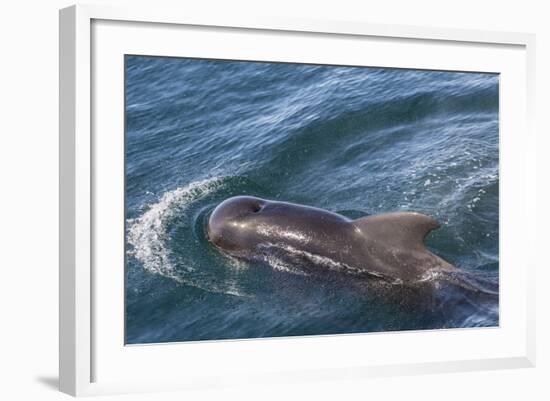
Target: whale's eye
(256,208)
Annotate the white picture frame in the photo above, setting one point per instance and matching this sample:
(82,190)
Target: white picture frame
(82,308)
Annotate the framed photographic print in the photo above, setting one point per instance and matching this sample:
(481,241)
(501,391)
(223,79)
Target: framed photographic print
(277,200)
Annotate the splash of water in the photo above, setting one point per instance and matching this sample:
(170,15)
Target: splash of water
(148,236)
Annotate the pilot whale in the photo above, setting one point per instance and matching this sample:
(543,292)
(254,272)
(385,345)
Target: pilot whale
(390,246)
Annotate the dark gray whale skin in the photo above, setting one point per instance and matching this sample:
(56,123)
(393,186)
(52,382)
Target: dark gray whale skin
(387,245)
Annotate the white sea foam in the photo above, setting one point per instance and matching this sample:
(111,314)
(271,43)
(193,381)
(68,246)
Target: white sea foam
(283,266)
(301,255)
(148,235)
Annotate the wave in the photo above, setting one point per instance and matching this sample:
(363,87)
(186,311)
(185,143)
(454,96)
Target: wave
(149,238)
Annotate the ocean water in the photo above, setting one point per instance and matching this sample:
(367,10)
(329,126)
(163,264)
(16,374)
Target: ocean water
(353,140)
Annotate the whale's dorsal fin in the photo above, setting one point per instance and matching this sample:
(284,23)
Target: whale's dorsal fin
(400,228)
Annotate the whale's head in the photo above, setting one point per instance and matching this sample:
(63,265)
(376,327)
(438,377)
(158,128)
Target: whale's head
(233,225)
(242,223)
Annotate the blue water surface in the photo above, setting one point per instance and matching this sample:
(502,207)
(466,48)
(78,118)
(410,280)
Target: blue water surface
(353,140)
